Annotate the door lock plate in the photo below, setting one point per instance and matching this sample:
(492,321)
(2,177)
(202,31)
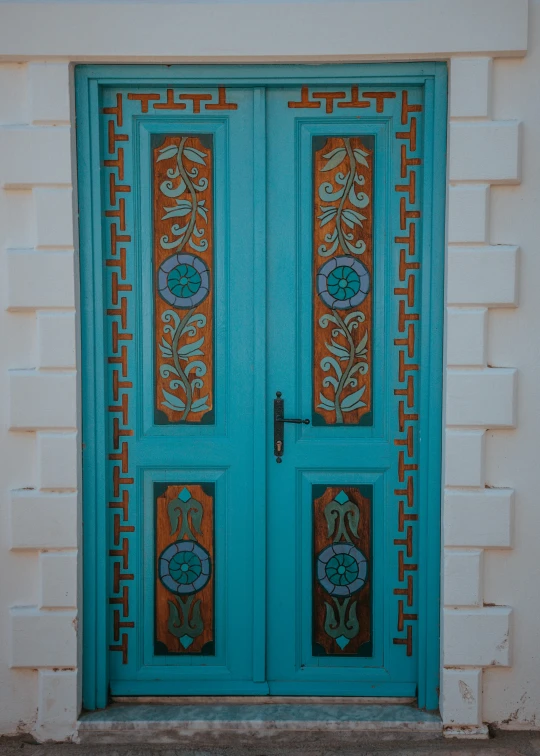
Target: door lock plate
(278,426)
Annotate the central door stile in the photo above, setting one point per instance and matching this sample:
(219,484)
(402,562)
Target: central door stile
(259,388)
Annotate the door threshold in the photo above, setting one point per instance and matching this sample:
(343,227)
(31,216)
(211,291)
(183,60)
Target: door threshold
(320,721)
(251,700)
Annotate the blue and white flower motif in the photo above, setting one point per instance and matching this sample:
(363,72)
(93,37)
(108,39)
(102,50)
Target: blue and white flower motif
(343,282)
(183,280)
(184,567)
(341,569)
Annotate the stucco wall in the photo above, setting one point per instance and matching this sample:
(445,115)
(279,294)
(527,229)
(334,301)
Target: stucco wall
(512,578)
(490,518)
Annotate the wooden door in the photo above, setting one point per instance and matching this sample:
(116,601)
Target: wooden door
(173,478)
(247,231)
(349,334)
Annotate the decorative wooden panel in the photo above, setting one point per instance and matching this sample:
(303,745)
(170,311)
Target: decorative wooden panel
(184,606)
(183,269)
(407,295)
(342,570)
(342,276)
(120,326)
(175,100)
(345,99)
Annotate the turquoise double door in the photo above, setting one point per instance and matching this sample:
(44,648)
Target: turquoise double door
(261,268)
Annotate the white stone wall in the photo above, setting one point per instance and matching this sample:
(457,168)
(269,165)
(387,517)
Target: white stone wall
(40,515)
(491,612)
(485,160)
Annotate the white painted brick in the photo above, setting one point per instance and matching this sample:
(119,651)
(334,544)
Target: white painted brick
(14,100)
(49,92)
(19,336)
(461,700)
(35,155)
(482,276)
(466,336)
(43,520)
(487,151)
(40,279)
(19,467)
(19,219)
(42,400)
(58,572)
(56,339)
(54,217)
(463,577)
(43,639)
(57,460)
(477,637)
(485,398)
(58,706)
(464,457)
(470,87)
(468,219)
(479,518)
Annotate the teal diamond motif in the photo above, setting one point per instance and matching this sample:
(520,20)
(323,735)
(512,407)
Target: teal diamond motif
(341,498)
(342,641)
(185,640)
(185,495)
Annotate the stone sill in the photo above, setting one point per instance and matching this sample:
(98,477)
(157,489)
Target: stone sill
(239,723)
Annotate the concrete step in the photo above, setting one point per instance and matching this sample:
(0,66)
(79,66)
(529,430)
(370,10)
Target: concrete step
(228,724)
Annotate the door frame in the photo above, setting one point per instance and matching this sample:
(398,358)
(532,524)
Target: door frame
(88,79)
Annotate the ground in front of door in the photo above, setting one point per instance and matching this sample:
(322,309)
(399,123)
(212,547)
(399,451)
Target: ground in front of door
(502,744)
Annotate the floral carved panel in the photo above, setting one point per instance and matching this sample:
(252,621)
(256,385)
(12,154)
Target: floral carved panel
(183,270)
(184,604)
(342,616)
(342,275)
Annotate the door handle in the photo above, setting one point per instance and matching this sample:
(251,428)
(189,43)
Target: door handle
(279,420)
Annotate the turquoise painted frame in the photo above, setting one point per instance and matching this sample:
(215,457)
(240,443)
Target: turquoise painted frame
(88,79)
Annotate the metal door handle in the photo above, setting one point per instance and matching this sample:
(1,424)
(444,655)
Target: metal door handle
(279,409)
